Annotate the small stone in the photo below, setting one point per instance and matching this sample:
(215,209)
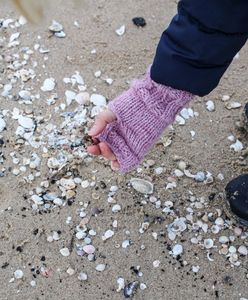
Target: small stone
(65,252)
(139,21)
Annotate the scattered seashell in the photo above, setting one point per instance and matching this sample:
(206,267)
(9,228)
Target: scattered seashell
(100,267)
(156,263)
(89,249)
(243,250)
(130,289)
(25,95)
(18,274)
(60,34)
(225,97)
(180,120)
(65,251)
(200,176)
(120,31)
(116,208)
(195,269)
(237,146)
(2,124)
(233,105)
(55,27)
(26,122)
(121,284)
(108,234)
(208,243)
(210,105)
(125,244)
(223,239)
(98,100)
(82,98)
(48,85)
(82,276)
(142,186)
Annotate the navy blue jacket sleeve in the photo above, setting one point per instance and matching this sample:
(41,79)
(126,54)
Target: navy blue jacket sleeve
(200,43)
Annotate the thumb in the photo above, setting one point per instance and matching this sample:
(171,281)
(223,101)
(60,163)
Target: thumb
(102,120)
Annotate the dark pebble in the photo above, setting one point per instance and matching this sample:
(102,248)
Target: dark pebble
(139,21)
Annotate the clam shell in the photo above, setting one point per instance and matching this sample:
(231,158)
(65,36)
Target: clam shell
(233,105)
(208,243)
(2,124)
(142,186)
(48,85)
(55,27)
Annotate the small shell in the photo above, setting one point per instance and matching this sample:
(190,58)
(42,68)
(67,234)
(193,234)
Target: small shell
(121,284)
(55,27)
(82,276)
(48,85)
(2,124)
(215,229)
(89,249)
(98,100)
(233,105)
(26,122)
(237,146)
(223,239)
(120,31)
(243,250)
(210,105)
(100,267)
(142,186)
(208,243)
(18,274)
(177,250)
(65,252)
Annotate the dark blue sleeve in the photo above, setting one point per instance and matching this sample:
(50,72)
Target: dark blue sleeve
(200,43)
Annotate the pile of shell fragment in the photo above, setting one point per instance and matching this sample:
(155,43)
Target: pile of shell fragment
(54,141)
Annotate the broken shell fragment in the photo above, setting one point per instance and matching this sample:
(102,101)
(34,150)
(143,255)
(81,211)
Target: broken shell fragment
(177,250)
(26,122)
(237,146)
(120,31)
(142,186)
(130,289)
(48,85)
(2,124)
(233,105)
(55,27)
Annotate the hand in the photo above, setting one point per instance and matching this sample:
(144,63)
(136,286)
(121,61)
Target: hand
(102,120)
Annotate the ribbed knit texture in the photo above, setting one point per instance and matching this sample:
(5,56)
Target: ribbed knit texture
(143,112)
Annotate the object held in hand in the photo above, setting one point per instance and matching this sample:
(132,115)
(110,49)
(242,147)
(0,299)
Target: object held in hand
(88,140)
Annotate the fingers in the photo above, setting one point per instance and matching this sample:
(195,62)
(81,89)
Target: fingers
(102,149)
(115,165)
(102,120)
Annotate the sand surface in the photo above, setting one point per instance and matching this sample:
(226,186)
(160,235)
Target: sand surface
(25,230)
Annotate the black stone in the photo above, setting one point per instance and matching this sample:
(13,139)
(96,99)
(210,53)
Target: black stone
(139,21)
(237,197)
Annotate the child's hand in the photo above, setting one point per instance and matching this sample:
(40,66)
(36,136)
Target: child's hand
(102,120)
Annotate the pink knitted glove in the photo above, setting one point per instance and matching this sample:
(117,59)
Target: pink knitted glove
(143,112)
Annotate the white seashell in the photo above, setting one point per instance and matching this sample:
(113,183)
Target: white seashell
(243,250)
(233,105)
(178,225)
(68,184)
(223,239)
(200,176)
(108,234)
(98,100)
(100,267)
(208,243)
(48,85)
(82,276)
(178,173)
(82,98)
(171,186)
(219,221)
(2,124)
(98,74)
(25,95)
(195,269)
(237,146)
(232,249)
(120,31)
(238,231)
(177,250)
(14,36)
(156,263)
(60,34)
(116,208)
(26,122)
(64,251)
(18,274)
(225,97)
(121,284)
(70,271)
(210,105)
(208,256)
(89,249)
(215,229)
(58,201)
(188,174)
(180,120)
(125,244)
(185,113)
(37,199)
(182,165)
(55,27)
(109,81)
(142,186)
(70,95)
